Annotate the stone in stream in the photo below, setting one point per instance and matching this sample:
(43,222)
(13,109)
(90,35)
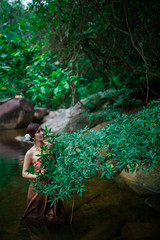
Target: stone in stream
(16,113)
(143,183)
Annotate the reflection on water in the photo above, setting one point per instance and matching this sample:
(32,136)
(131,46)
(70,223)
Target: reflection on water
(9,146)
(38,229)
(109,210)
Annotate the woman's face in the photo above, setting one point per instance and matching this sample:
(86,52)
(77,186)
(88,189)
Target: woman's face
(39,135)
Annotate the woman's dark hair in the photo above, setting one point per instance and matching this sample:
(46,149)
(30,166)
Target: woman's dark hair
(32,129)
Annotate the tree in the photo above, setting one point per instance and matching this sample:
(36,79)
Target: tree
(108,44)
(112,40)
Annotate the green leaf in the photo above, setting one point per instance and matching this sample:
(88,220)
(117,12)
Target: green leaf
(66,86)
(43,90)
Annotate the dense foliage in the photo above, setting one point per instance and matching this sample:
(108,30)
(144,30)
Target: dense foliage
(130,142)
(95,44)
(57,52)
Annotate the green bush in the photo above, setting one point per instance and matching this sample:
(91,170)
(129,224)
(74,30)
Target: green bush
(131,142)
(112,103)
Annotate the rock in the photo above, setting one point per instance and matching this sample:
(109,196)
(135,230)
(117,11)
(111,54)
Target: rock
(50,115)
(143,183)
(4,100)
(65,122)
(71,119)
(153,202)
(101,125)
(39,114)
(16,113)
(141,231)
(59,122)
(23,139)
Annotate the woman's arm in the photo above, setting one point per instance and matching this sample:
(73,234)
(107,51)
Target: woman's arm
(26,164)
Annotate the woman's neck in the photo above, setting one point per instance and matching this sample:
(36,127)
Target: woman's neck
(39,144)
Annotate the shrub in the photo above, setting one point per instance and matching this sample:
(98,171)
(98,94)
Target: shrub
(131,142)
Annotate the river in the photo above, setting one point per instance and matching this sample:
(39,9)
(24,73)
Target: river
(109,210)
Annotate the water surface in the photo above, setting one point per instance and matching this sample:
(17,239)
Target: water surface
(109,210)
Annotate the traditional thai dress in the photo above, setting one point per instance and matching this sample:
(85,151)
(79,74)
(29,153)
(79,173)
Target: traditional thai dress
(39,207)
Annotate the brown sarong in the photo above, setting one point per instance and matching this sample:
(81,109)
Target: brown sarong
(39,207)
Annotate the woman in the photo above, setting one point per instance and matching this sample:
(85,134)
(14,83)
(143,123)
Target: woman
(38,206)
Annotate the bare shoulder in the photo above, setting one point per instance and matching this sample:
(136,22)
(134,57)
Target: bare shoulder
(29,153)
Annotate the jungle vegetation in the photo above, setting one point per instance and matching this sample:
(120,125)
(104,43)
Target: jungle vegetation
(56,53)
(60,51)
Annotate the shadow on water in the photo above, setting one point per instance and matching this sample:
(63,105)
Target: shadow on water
(109,210)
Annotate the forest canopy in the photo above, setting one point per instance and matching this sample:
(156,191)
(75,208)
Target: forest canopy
(56,52)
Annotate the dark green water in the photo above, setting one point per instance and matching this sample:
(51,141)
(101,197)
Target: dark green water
(109,210)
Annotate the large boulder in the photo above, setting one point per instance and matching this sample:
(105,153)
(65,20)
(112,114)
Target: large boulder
(4,100)
(50,115)
(71,119)
(39,114)
(143,183)
(58,122)
(16,113)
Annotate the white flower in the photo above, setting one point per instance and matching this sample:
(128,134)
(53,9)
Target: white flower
(27,137)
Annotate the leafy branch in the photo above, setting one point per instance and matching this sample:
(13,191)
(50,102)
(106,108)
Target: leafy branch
(131,142)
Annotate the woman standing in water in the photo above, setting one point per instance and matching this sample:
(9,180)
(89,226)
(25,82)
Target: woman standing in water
(38,206)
